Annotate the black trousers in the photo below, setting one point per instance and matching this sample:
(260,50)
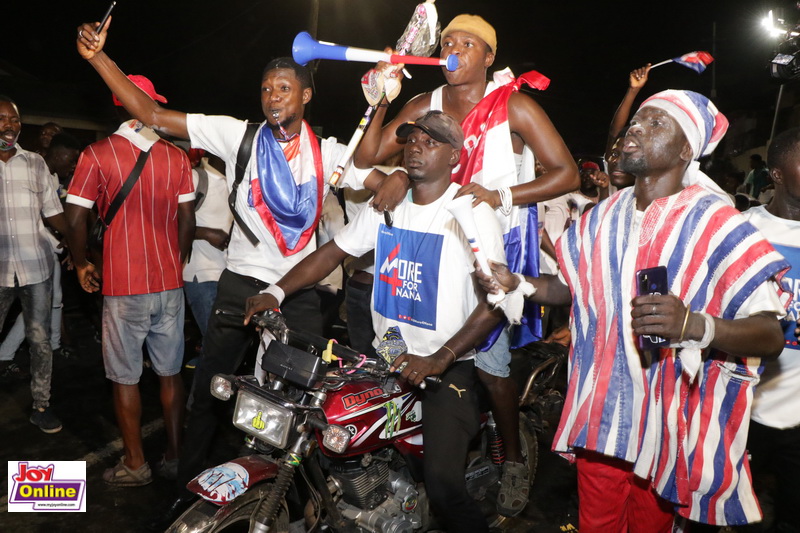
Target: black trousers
(776,452)
(224,348)
(450,420)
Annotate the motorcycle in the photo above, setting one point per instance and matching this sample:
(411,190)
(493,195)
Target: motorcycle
(341,433)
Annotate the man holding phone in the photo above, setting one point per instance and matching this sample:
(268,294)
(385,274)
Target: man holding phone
(664,429)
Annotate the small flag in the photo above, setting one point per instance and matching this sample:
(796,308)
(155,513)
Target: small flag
(697,61)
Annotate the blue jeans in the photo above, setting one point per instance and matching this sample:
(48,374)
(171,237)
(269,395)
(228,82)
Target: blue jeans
(495,360)
(201,297)
(36,300)
(16,334)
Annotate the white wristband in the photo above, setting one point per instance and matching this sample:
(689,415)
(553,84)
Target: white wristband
(708,334)
(514,301)
(711,330)
(276,292)
(525,287)
(690,355)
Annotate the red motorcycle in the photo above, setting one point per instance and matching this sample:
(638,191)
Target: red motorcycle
(341,434)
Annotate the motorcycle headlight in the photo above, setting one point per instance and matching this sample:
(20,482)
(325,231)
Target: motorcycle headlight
(260,418)
(222,387)
(336,438)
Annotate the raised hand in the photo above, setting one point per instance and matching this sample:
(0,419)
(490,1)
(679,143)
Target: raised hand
(89,42)
(599,178)
(638,77)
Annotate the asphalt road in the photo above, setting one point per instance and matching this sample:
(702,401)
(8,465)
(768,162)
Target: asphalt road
(81,396)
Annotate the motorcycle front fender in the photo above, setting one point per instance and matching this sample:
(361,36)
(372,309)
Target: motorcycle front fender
(223,483)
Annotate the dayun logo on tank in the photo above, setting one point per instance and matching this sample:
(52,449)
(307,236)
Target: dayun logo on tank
(360,398)
(49,486)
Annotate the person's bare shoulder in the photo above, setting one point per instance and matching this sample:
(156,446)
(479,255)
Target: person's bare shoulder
(520,104)
(416,107)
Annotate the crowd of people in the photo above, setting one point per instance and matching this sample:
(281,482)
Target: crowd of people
(234,219)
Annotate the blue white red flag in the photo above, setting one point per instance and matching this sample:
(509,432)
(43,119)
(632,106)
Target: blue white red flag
(697,61)
(289,205)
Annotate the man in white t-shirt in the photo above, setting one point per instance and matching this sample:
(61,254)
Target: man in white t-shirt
(774,438)
(213,223)
(422,287)
(276,211)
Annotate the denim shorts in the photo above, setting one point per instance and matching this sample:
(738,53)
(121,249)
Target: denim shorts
(152,319)
(495,360)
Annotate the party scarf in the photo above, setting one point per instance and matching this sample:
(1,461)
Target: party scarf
(290,210)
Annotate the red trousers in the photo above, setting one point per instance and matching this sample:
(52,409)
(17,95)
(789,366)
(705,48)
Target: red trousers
(612,500)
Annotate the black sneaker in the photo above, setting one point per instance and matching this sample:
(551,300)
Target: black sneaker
(46,420)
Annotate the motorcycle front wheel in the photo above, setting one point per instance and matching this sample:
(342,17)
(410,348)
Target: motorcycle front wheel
(232,517)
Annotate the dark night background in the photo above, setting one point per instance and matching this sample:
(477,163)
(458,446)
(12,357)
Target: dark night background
(208,56)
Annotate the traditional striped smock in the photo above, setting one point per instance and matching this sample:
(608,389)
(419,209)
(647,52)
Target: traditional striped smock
(684,430)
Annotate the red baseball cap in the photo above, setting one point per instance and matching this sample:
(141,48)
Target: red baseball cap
(590,165)
(144,84)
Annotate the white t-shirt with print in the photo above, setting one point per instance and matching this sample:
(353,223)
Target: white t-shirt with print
(423,265)
(776,401)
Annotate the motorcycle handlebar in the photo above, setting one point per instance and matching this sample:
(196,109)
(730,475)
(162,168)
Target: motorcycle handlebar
(275,322)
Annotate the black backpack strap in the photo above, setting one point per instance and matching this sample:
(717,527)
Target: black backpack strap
(126,187)
(242,158)
(202,187)
(338,192)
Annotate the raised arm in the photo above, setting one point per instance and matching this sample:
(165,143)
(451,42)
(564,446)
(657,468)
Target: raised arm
(636,80)
(528,120)
(380,142)
(139,105)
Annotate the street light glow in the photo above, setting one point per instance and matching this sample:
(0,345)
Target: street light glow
(776,30)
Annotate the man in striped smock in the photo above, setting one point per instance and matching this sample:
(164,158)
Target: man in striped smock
(664,430)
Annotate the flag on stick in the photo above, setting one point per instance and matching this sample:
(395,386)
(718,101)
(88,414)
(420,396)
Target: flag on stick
(697,61)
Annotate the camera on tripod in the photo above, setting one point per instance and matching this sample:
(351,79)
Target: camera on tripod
(786,64)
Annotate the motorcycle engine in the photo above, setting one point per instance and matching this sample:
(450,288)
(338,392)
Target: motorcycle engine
(362,486)
(376,498)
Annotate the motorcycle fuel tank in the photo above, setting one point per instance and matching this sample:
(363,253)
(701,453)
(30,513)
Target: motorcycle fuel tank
(374,414)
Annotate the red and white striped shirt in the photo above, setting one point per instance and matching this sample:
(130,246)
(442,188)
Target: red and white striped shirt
(141,254)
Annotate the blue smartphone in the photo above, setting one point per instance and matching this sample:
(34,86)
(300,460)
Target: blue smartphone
(652,281)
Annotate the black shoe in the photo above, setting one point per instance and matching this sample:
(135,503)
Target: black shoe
(168,515)
(46,420)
